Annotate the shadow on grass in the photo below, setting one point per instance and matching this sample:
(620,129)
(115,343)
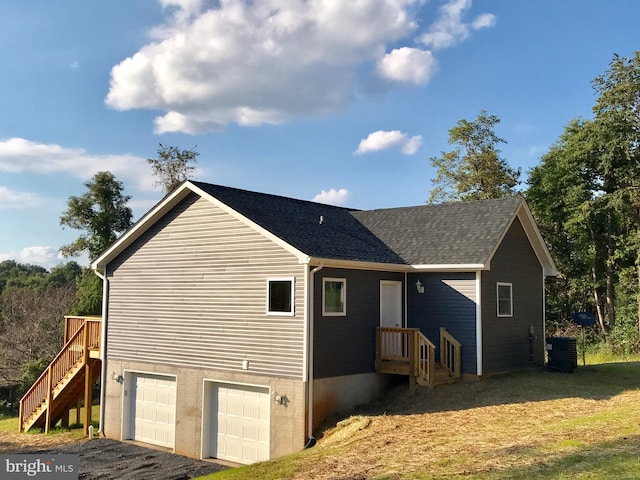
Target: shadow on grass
(595,382)
(618,459)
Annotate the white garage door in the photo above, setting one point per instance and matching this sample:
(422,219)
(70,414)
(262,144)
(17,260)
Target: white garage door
(240,423)
(153,409)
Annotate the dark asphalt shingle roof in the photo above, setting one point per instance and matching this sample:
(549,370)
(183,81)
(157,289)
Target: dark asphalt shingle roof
(444,234)
(455,233)
(340,236)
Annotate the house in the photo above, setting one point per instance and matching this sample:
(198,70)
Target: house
(235,321)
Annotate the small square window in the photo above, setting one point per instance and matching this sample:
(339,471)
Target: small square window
(334,294)
(505,299)
(280,296)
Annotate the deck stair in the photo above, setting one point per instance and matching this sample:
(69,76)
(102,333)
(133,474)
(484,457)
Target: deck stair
(68,380)
(406,351)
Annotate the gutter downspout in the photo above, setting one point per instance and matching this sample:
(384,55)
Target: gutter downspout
(311,439)
(103,345)
(406,300)
(479,346)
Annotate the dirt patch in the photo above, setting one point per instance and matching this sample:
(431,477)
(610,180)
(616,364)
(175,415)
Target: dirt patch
(13,442)
(104,459)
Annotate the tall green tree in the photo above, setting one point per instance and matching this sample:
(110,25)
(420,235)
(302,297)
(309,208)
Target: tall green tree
(564,194)
(173,166)
(101,213)
(617,114)
(473,170)
(586,193)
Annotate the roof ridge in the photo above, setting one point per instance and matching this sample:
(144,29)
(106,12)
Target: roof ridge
(458,203)
(204,186)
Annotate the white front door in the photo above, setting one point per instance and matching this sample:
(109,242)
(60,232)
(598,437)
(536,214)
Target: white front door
(390,304)
(391,315)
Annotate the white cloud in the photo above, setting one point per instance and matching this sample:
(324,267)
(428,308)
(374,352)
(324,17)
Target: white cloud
(44,256)
(384,140)
(18,155)
(408,65)
(211,64)
(332,196)
(13,199)
(250,63)
(47,257)
(411,145)
(449,29)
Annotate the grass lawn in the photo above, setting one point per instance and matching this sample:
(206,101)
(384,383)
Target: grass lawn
(532,424)
(11,441)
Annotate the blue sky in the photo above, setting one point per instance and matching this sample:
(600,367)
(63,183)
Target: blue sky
(341,102)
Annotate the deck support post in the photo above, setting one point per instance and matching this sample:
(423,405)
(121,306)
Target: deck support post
(78,406)
(47,422)
(87,381)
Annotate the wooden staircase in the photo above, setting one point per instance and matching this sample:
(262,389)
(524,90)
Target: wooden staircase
(68,379)
(406,351)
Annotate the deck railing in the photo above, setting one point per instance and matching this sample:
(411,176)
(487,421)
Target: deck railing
(405,350)
(73,323)
(426,360)
(74,354)
(450,353)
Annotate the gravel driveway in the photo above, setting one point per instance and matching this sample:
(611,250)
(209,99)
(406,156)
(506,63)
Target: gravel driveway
(106,459)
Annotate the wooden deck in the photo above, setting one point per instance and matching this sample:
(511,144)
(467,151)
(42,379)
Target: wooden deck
(68,380)
(406,351)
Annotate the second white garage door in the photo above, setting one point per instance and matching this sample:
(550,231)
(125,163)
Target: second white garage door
(153,409)
(240,422)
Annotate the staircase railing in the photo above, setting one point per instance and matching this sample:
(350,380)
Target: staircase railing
(405,346)
(74,353)
(426,358)
(450,353)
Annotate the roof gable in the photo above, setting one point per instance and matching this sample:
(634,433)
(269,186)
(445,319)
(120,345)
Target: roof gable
(463,233)
(318,230)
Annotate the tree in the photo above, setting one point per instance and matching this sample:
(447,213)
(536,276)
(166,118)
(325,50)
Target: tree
(101,212)
(64,274)
(474,169)
(173,166)
(89,294)
(565,196)
(586,194)
(19,274)
(617,114)
(31,330)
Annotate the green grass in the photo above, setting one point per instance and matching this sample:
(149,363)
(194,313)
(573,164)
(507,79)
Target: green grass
(9,424)
(619,459)
(602,356)
(532,424)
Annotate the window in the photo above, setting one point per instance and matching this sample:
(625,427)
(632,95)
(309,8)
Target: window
(505,299)
(334,292)
(280,296)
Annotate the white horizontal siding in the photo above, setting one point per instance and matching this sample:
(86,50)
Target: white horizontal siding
(464,287)
(192,292)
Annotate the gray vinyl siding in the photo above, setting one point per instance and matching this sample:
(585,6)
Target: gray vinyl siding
(191,291)
(506,339)
(449,300)
(346,345)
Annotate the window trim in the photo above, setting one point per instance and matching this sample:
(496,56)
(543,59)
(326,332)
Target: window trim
(343,313)
(290,313)
(504,284)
